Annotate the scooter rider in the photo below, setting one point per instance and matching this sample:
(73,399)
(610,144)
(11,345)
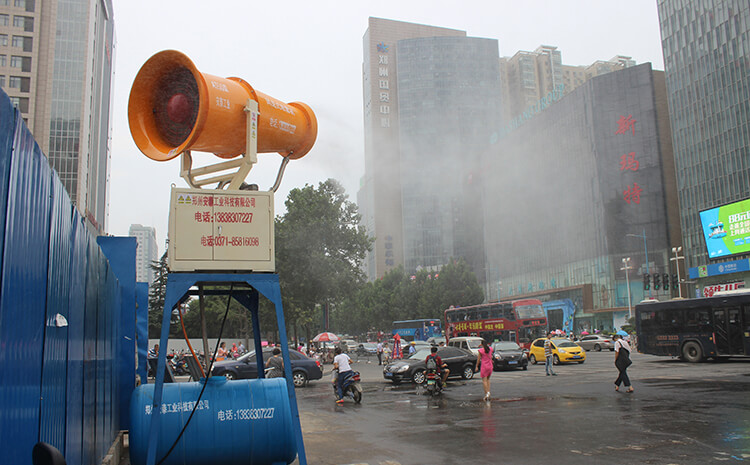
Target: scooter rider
(341,363)
(441,367)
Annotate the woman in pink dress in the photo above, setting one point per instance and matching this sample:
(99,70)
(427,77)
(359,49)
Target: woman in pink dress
(484,365)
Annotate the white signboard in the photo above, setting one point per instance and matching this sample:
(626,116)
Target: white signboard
(221,230)
(709,291)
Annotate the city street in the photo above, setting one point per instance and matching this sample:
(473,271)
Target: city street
(680,413)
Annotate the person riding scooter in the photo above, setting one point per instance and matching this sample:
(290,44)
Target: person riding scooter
(341,363)
(441,367)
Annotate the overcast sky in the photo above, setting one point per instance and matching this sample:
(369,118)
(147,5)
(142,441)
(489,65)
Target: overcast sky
(311,51)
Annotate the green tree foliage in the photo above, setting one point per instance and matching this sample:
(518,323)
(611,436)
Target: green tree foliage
(400,296)
(319,250)
(156,295)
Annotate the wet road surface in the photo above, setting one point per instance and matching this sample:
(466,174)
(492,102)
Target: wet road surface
(679,414)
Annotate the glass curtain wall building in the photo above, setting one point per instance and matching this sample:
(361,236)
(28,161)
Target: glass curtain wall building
(449,107)
(57,68)
(574,188)
(706,49)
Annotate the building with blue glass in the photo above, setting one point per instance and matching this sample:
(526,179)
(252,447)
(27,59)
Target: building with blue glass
(706,49)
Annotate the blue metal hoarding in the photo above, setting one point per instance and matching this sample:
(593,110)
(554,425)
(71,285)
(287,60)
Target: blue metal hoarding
(54,367)
(74,451)
(121,253)
(141,337)
(23,293)
(61,385)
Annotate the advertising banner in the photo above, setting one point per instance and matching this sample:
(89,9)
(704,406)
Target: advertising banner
(726,229)
(709,291)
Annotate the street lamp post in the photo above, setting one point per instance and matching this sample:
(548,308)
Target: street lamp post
(645,249)
(626,267)
(676,259)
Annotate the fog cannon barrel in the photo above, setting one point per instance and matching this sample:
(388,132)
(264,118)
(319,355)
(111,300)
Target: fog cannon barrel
(173,107)
(242,421)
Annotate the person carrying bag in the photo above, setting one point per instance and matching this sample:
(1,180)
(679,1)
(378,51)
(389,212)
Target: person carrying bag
(622,362)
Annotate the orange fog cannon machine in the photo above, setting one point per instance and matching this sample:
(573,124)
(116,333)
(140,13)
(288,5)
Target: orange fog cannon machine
(174,109)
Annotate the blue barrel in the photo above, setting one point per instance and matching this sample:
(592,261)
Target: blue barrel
(243,421)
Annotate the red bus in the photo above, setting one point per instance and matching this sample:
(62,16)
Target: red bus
(520,321)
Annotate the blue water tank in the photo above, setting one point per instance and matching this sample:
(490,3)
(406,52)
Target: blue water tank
(242,421)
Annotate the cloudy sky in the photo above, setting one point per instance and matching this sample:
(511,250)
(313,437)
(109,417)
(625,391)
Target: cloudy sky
(311,51)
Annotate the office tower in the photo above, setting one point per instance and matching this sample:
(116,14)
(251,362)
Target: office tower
(56,64)
(449,113)
(147,252)
(706,47)
(379,197)
(574,191)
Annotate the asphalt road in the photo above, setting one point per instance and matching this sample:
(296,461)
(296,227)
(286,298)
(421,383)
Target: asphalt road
(680,413)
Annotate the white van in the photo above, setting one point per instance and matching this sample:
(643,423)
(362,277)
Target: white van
(472,343)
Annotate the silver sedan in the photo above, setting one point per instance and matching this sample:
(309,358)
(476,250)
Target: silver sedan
(596,342)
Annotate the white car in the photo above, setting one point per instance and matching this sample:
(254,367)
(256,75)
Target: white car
(472,343)
(349,346)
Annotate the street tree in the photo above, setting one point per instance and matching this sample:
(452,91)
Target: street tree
(320,247)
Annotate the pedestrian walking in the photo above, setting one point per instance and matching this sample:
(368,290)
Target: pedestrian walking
(548,356)
(622,362)
(386,353)
(484,366)
(276,364)
(380,353)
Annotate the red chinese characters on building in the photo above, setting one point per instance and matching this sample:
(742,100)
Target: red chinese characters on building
(628,162)
(633,193)
(624,124)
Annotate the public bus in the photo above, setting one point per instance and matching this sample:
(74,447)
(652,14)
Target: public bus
(695,329)
(519,321)
(417,330)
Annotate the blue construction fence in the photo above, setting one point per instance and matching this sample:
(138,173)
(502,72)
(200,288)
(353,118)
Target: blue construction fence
(67,313)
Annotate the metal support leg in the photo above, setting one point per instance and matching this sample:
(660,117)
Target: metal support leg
(178,287)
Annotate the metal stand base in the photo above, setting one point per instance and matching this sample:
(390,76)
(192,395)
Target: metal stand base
(248,287)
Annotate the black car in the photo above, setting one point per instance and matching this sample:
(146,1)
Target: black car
(461,362)
(304,368)
(506,355)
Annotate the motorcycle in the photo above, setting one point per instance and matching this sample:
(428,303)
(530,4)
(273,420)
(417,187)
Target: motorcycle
(433,381)
(434,384)
(349,386)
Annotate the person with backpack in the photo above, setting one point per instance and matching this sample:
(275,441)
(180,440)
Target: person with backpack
(622,362)
(433,361)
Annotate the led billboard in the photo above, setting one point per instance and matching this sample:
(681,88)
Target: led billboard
(727,229)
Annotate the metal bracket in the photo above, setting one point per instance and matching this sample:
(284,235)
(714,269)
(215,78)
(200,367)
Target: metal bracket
(230,173)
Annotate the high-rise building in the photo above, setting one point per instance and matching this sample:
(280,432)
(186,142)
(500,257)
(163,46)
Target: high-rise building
(706,49)
(146,253)
(575,190)
(56,63)
(380,197)
(530,77)
(449,113)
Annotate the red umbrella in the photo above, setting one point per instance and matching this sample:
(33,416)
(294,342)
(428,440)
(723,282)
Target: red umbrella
(326,337)
(584,333)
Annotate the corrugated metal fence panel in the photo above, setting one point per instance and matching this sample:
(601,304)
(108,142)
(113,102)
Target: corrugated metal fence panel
(8,117)
(77,302)
(103,372)
(89,353)
(23,297)
(121,254)
(141,299)
(54,369)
